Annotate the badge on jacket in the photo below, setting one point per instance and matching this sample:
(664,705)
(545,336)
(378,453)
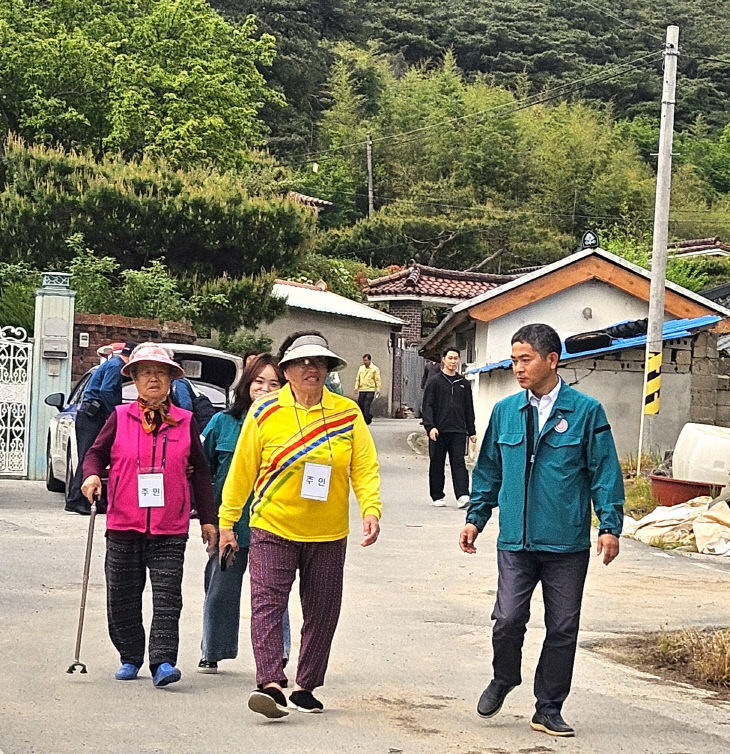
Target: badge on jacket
(561,426)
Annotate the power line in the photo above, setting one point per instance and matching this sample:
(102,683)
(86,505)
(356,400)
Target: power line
(622,21)
(535,99)
(518,211)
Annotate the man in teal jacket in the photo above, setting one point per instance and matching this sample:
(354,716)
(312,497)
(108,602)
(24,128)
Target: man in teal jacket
(547,453)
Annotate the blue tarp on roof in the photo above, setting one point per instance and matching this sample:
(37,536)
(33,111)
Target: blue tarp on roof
(677,328)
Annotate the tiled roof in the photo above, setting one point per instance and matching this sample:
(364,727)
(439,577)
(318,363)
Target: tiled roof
(420,280)
(699,246)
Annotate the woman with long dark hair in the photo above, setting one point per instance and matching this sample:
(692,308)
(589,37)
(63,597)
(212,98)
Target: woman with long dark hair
(221,609)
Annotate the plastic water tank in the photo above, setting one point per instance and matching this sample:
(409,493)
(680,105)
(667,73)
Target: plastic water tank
(702,454)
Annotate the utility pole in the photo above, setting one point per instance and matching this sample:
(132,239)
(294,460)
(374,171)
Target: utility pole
(654,340)
(369,146)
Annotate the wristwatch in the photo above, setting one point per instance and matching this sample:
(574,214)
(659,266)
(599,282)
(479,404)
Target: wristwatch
(605,531)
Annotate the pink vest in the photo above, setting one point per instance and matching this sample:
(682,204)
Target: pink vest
(131,451)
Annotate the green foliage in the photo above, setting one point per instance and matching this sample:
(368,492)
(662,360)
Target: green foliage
(243,342)
(18,283)
(163,78)
(304,34)
(226,304)
(689,273)
(92,278)
(199,221)
(345,277)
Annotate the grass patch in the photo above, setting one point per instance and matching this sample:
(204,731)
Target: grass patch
(639,501)
(697,657)
(704,654)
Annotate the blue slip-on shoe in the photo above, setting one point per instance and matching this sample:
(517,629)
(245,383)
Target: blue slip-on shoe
(166,674)
(127,672)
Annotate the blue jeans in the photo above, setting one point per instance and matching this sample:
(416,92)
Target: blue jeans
(222,609)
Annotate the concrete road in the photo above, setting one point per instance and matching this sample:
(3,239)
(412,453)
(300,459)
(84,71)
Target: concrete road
(410,658)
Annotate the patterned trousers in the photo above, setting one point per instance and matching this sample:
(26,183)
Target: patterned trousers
(126,566)
(273,563)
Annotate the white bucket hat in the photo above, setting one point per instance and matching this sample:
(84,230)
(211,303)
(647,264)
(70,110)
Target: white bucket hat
(156,353)
(312,345)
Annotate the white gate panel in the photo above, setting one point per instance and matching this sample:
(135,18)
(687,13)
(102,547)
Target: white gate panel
(15,363)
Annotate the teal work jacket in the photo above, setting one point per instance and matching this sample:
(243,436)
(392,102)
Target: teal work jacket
(219,441)
(575,462)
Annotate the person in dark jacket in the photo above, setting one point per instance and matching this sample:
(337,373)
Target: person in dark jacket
(101,395)
(547,453)
(448,418)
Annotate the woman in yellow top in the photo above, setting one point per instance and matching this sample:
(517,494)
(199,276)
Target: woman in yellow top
(299,450)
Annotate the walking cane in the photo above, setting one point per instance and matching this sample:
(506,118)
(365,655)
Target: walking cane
(84,586)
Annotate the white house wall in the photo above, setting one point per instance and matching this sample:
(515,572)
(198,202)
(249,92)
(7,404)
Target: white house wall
(564,312)
(620,394)
(621,397)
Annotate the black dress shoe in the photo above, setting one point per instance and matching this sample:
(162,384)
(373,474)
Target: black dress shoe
(553,725)
(492,699)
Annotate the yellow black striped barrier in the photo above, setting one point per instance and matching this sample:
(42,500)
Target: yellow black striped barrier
(653,382)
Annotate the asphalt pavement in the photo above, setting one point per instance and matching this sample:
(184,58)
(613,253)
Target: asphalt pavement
(410,658)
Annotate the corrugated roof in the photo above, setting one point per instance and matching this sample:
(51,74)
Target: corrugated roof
(677,328)
(314,299)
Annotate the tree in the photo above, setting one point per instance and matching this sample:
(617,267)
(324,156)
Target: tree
(199,221)
(164,78)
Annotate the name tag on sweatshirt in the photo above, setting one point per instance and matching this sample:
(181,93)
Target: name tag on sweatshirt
(150,490)
(316,481)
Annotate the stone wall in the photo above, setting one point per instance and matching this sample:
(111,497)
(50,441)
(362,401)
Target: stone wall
(110,328)
(703,386)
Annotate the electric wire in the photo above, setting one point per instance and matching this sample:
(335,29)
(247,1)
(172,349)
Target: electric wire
(622,21)
(532,100)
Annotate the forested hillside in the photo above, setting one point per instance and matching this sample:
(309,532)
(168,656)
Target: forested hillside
(551,41)
(165,137)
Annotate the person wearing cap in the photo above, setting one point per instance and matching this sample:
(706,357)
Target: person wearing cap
(102,393)
(148,446)
(299,450)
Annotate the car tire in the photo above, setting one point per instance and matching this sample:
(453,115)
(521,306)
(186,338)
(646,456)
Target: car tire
(52,484)
(69,475)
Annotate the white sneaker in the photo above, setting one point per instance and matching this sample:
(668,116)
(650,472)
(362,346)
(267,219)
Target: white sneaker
(440,503)
(463,501)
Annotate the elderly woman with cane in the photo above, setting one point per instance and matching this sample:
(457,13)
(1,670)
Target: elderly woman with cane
(299,450)
(223,581)
(149,445)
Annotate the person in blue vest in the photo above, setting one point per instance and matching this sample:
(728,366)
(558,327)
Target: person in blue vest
(547,453)
(102,393)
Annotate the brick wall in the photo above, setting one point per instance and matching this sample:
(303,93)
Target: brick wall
(110,328)
(410,313)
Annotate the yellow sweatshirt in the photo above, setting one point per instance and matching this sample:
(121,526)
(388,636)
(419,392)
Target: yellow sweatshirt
(368,378)
(277,438)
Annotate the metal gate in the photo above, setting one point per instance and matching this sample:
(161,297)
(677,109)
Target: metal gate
(412,373)
(15,369)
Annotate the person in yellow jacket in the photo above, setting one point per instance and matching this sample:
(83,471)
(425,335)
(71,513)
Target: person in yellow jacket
(367,386)
(299,450)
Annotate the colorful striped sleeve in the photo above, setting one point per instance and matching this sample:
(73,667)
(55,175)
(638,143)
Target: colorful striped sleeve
(242,474)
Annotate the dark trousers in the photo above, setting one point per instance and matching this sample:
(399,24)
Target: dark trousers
(87,429)
(222,609)
(453,444)
(365,401)
(562,576)
(273,563)
(126,566)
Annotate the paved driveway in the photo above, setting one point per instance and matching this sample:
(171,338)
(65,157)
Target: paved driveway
(411,655)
